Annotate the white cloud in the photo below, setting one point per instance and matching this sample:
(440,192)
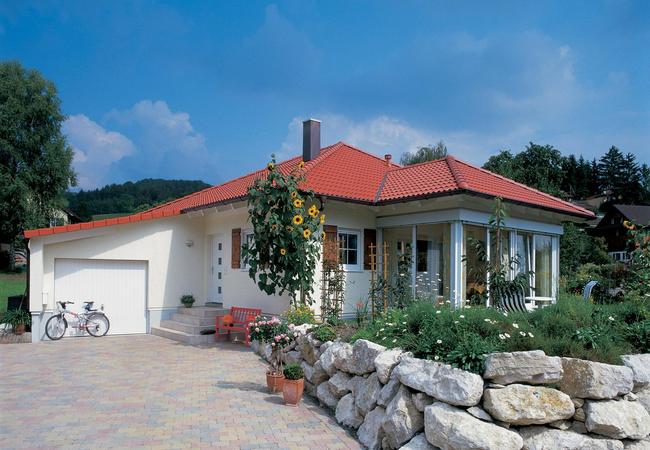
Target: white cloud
(95,149)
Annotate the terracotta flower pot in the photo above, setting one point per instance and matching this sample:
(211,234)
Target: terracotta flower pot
(19,329)
(274,382)
(292,391)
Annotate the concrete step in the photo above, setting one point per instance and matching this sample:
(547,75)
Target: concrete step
(185,338)
(194,320)
(202,311)
(185,327)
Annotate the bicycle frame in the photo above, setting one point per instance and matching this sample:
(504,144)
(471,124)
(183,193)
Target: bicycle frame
(82,316)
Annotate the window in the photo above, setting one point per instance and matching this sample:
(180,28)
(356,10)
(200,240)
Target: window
(432,261)
(247,239)
(350,249)
(543,266)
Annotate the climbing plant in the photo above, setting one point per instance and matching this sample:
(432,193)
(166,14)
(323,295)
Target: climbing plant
(286,220)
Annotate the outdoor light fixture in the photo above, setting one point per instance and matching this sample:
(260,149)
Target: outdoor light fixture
(189,242)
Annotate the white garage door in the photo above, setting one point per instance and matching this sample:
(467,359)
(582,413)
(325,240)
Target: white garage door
(121,286)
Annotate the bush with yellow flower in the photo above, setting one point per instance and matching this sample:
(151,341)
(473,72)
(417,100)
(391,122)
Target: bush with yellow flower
(286,241)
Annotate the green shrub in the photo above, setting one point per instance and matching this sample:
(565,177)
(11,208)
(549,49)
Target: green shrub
(293,371)
(187,300)
(324,333)
(638,335)
(299,315)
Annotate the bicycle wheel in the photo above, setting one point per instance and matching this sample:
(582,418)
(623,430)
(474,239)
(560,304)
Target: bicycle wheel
(55,327)
(97,325)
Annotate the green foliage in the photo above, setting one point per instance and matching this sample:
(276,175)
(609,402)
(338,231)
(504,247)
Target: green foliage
(130,197)
(187,300)
(424,154)
(300,314)
(293,371)
(35,160)
(278,334)
(286,246)
(578,248)
(15,317)
(324,333)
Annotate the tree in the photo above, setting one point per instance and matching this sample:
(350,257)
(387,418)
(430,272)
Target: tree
(35,160)
(503,164)
(578,248)
(424,154)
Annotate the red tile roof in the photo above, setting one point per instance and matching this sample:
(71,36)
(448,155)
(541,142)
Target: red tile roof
(344,172)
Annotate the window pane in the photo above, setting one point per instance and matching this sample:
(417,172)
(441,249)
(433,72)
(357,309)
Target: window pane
(432,262)
(543,275)
(352,257)
(348,248)
(474,269)
(399,252)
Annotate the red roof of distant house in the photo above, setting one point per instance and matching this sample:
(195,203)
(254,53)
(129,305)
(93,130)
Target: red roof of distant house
(344,172)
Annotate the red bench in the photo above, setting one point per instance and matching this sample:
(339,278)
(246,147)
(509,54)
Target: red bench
(241,317)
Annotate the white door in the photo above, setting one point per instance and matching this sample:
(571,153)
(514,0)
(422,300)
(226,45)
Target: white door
(218,265)
(121,286)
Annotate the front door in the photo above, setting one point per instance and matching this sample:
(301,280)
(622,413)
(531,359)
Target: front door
(217,268)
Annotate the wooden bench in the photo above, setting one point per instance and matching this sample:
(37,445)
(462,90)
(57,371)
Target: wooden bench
(241,317)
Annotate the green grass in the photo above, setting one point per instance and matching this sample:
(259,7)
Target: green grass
(11,284)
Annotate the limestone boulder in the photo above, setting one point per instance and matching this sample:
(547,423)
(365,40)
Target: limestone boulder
(542,438)
(308,347)
(292,357)
(640,365)
(336,357)
(402,420)
(421,400)
(480,413)
(385,362)
(363,357)
(325,396)
(532,367)
(617,419)
(366,392)
(637,445)
(419,442)
(370,432)
(519,404)
(440,381)
(643,397)
(314,374)
(347,413)
(388,392)
(452,428)
(339,384)
(594,380)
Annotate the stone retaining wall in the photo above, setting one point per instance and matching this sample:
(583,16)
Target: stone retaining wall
(523,400)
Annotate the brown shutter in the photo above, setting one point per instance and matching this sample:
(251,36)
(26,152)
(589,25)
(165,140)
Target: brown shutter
(369,238)
(235,260)
(330,246)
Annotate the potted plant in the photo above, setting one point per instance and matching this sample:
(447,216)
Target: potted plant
(281,338)
(18,319)
(187,300)
(294,384)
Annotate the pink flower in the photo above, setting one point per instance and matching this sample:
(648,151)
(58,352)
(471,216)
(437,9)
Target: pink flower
(287,339)
(257,329)
(272,344)
(277,338)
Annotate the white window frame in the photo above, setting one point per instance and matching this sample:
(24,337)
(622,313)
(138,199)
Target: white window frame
(244,239)
(352,267)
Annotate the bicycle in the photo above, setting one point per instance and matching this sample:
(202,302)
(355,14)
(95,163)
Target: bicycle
(93,321)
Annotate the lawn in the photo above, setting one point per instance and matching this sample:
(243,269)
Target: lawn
(11,284)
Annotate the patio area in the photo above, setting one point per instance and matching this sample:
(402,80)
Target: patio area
(147,391)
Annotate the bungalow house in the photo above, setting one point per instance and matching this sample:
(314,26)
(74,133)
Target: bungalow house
(611,228)
(140,265)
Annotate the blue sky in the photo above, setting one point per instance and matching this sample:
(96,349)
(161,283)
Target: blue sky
(208,90)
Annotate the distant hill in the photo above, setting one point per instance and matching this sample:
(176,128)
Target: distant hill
(129,197)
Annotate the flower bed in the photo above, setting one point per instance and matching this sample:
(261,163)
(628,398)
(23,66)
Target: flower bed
(521,400)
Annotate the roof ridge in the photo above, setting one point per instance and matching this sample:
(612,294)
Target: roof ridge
(382,183)
(370,154)
(545,194)
(455,172)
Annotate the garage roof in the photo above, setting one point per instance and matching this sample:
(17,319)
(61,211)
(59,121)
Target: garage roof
(347,173)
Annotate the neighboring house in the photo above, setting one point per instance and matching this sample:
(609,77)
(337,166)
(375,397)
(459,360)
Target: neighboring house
(64,216)
(612,229)
(140,265)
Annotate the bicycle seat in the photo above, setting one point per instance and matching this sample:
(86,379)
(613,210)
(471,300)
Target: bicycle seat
(88,306)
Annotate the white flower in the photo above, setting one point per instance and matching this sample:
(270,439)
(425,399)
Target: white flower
(610,318)
(462,316)
(438,341)
(467,307)
(436,357)
(530,334)
(384,338)
(515,325)
(522,333)
(506,335)
(505,314)
(381,329)
(501,336)
(487,320)
(438,312)
(455,321)
(403,323)
(394,340)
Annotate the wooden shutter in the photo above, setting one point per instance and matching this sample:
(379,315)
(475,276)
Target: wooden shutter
(369,238)
(330,246)
(235,260)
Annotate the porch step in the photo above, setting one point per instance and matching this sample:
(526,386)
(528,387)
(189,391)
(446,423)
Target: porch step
(202,311)
(185,338)
(194,320)
(186,327)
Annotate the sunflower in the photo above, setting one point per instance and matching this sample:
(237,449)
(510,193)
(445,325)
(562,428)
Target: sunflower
(271,166)
(289,228)
(629,225)
(306,233)
(323,235)
(294,194)
(274,227)
(283,251)
(298,203)
(313,211)
(322,218)
(297,219)
(301,165)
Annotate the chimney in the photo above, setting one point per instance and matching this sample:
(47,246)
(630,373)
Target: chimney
(387,158)
(310,139)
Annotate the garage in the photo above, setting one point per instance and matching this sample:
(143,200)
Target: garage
(120,285)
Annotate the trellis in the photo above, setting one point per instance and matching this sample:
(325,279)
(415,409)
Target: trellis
(378,283)
(332,282)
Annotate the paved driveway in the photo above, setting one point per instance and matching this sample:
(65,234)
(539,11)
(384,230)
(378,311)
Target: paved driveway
(146,391)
